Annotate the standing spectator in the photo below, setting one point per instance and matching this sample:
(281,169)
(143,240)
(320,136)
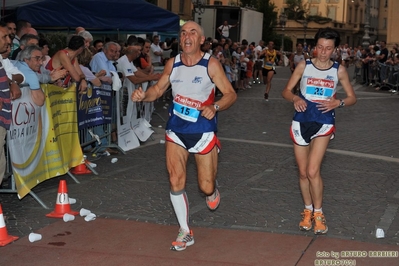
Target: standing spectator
(192,123)
(144,60)
(7,88)
(129,71)
(22,28)
(43,43)
(313,125)
(382,58)
(250,66)
(87,36)
(84,59)
(104,60)
(295,59)
(12,28)
(30,62)
(66,59)
(26,39)
(224,29)
(258,62)
(345,55)
(156,52)
(98,46)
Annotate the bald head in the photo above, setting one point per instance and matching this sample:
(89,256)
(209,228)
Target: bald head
(79,29)
(32,31)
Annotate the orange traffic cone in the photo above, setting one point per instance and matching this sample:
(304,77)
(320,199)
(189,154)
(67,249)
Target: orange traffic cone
(62,205)
(5,238)
(81,169)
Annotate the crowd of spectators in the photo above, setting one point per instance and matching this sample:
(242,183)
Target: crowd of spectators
(87,62)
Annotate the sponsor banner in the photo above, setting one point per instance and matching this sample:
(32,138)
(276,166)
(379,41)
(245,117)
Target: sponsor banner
(43,141)
(95,106)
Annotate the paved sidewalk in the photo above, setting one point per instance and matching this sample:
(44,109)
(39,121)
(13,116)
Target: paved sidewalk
(257,221)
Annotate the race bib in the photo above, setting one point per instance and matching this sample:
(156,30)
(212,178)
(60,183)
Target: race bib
(319,89)
(186,108)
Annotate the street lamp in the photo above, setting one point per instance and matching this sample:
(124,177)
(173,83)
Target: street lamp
(283,20)
(199,8)
(366,37)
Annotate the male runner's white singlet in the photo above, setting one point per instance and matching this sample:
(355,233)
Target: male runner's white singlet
(191,88)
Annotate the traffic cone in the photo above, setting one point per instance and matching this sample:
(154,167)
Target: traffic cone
(5,238)
(81,169)
(62,205)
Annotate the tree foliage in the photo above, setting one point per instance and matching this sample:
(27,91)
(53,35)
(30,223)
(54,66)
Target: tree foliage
(296,10)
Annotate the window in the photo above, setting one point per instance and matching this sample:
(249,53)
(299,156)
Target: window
(386,3)
(181,6)
(332,11)
(313,10)
(314,1)
(218,3)
(350,15)
(384,26)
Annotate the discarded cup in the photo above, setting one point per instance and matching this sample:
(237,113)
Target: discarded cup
(90,217)
(68,217)
(33,237)
(160,126)
(161,141)
(72,201)
(84,212)
(114,160)
(379,233)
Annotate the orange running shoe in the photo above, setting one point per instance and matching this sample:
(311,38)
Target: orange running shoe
(213,200)
(306,223)
(320,226)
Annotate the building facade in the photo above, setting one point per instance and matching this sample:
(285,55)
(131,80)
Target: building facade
(349,17)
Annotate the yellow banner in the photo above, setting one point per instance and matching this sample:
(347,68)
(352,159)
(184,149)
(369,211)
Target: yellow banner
(43,141)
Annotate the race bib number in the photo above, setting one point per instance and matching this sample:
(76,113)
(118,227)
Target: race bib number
(318,89)
(186,108)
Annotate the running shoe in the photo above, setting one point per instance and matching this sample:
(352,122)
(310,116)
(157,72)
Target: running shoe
(213,200)
(184,239)
(266,96)
(320,226)
(306,223)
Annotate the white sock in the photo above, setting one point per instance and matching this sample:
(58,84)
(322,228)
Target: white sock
(309,207)
(318,210)
(180,205)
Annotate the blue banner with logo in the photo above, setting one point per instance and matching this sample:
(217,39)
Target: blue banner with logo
(95,106)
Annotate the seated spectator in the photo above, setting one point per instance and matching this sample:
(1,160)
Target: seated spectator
(30,62)
(66,58)
(26,39)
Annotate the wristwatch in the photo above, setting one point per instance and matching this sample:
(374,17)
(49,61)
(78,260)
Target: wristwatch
(217,107)
(13,81)
(341,103)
